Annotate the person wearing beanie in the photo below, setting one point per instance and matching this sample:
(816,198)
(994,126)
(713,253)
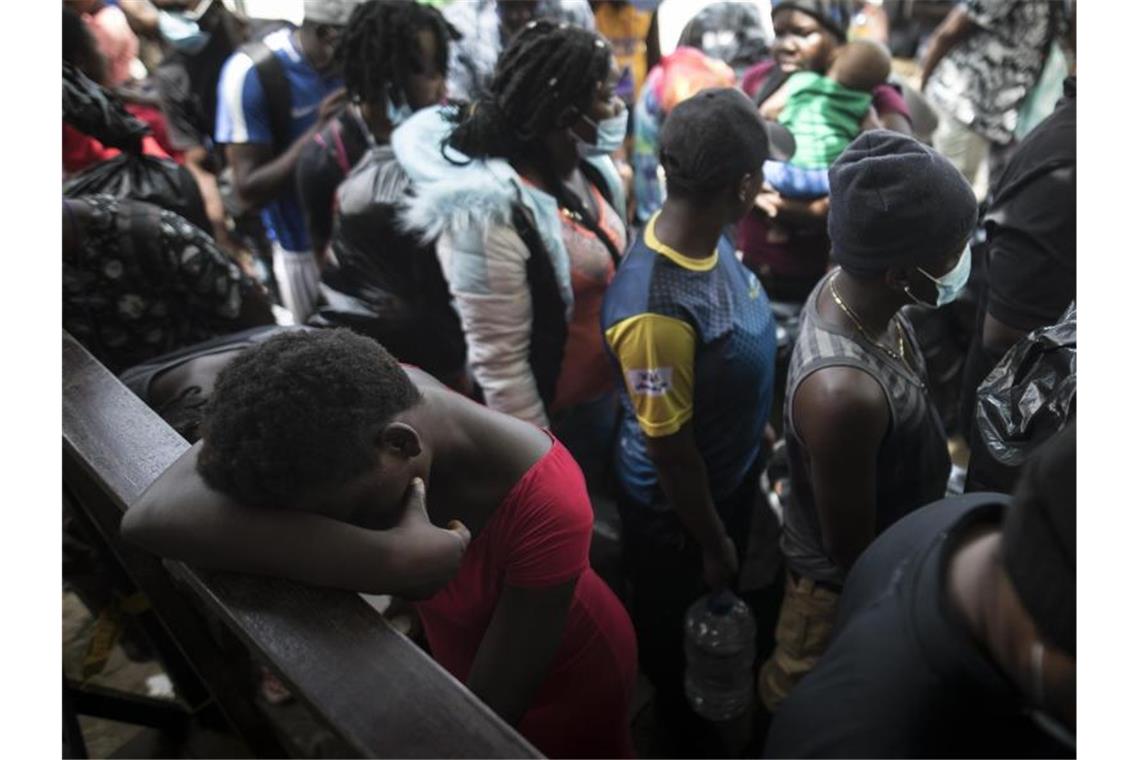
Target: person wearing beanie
(864,441)
(956,634)
(784,240)
(273,96)
(692,340)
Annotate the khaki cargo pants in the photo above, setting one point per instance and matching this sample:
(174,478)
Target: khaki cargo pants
(803,630)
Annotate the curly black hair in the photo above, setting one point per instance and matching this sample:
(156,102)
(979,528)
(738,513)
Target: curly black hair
(298,413)
(378,48)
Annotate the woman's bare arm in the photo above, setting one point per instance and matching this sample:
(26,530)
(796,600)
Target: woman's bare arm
(182,518)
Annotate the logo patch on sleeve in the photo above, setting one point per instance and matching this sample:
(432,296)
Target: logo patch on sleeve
(655,381)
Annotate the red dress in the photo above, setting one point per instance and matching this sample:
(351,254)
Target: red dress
(540,536)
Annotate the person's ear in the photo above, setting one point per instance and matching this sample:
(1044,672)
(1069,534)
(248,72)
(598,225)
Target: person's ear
(567,117)
(898,278)
(743,187)
(749,187)
(400,439)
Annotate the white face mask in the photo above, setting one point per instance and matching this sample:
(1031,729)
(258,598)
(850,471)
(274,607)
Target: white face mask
(610,135)
(182,32)
(398,115)
(950,285)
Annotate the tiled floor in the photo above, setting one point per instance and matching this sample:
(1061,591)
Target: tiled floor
(103,737)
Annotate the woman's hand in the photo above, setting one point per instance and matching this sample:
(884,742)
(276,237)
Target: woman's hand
(433,554)
(810,214)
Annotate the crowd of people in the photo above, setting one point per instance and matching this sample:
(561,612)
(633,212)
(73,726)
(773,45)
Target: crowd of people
(431,286)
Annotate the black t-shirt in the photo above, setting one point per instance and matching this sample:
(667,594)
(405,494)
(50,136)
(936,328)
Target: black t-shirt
(1032,224)
(324,163)
(902,676)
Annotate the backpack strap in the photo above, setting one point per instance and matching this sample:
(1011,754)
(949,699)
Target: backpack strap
(338,144)
(594,177)
(548,311)
(278,93)
(772,82)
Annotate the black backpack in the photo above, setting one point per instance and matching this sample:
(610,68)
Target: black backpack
(188,376)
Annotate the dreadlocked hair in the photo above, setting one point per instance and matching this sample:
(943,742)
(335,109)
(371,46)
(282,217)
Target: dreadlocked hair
(379,50)
(547,69)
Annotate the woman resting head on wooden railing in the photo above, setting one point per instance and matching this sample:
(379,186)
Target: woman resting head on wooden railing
(318,457)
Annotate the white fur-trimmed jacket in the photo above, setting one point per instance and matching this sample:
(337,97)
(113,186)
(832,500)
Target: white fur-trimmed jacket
(467,210)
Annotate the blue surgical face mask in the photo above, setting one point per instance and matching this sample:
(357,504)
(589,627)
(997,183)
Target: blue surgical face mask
(951,284)
(182,33)
(611,134)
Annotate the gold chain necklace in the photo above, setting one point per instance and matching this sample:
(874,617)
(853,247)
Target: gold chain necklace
(899,357)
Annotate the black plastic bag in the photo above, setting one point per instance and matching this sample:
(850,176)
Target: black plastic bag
(384,282)
(95,111)
(189,375)
(1028,398)
(144,178)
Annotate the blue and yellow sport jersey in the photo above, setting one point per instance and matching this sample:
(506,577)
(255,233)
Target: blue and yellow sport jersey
(693,340)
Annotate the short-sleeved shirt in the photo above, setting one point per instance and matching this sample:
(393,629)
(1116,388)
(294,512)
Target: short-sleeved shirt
(145,281)
(804,252)
(984,80)
(1031,224)
(691,339)
(626,28)
(539,537)
(903,675)
(244,117)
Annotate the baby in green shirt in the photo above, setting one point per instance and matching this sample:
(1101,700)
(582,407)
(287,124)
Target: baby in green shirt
(824,113)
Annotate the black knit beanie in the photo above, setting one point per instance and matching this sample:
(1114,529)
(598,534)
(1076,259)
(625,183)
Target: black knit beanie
(895,201)
(1039,539)
(833,15)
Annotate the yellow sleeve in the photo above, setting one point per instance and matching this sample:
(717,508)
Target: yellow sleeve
(656,358)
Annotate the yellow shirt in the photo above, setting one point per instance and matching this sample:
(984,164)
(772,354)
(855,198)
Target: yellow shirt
(626,28)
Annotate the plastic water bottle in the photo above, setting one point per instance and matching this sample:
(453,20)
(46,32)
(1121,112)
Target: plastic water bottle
(720,645)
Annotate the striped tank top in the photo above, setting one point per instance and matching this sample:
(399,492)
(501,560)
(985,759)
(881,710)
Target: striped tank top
(913,463)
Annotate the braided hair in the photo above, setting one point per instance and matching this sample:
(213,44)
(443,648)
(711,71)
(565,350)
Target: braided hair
(547,69)
(378,49)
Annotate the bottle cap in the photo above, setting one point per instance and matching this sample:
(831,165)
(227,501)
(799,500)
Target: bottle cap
(722,602)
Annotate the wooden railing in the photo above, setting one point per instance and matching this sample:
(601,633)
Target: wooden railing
(372,687)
